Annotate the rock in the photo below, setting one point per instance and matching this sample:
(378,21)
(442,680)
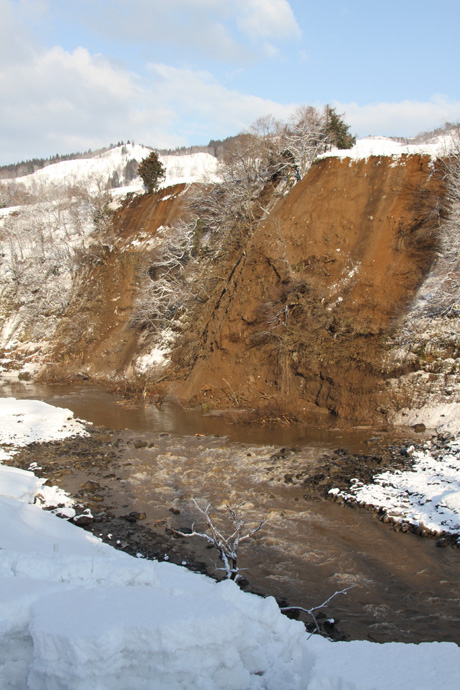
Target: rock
(134,516)
(419,428)
(83,519)
(139,443)
(90,486)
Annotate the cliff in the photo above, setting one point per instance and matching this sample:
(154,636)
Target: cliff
(301,319)
(302,323)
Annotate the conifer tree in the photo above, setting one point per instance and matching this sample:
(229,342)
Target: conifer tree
(337,130)
(152,172)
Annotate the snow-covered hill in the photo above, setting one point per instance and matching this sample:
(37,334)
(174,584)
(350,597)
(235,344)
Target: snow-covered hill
(58,214)
(436,145)
(116,169)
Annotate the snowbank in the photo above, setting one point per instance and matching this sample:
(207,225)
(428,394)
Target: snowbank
(442,416)
(78,615)
(426,496)
(25,421)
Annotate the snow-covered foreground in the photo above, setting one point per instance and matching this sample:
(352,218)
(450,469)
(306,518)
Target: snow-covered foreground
(76,614)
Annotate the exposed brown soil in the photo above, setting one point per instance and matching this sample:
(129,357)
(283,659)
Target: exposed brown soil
(95,339)
(301,324)
(298,321)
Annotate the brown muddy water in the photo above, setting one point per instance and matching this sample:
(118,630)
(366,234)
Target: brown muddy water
(405,587)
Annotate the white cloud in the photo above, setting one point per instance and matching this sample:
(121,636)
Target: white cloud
(404,118)
(59,101)
(15,40)
(213,109)
(207,27)
(56,100)
(191,25)
(269,19)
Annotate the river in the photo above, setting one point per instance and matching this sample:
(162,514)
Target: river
(405,587)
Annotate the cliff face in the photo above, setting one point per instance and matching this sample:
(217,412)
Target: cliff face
(301,320)
(302,323)
(95,339)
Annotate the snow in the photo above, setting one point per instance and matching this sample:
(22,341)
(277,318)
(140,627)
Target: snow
(94,173)
(384,146)
(194,167)
(426,496)
(158,356)
(390,666)
(443,416)
(78,615)
(25,421)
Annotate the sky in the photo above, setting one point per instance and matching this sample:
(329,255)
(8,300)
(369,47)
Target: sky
(80,74)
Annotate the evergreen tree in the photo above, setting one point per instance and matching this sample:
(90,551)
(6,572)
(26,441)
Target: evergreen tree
(152,172)
(337,130)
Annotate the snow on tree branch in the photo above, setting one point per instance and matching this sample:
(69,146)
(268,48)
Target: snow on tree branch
(227,546)
(311,612)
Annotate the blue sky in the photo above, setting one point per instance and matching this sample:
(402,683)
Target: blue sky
(85,73)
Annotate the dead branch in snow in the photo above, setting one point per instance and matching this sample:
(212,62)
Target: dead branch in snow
(227,546)
(311,611)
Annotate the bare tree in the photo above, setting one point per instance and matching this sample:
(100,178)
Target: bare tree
(439,295)
(306,137)
(42,244)
(227,546)
(169,281)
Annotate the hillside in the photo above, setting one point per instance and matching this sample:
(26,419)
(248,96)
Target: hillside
(303,318)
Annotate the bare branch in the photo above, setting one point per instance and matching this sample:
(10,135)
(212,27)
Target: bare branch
(226,546)
(317,608)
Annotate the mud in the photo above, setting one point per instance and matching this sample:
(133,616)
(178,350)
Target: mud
(302,323)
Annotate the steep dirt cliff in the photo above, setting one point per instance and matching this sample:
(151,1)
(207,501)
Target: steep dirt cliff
(300,320)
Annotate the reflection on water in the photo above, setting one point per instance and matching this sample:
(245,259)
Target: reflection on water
(407,589)
(99,406)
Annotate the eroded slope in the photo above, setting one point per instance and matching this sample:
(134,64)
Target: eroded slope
(300,314)
(302,321)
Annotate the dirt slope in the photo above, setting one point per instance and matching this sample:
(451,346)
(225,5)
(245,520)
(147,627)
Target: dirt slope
(301,324)
(95,339)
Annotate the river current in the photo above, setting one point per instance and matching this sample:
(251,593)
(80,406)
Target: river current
(405,587)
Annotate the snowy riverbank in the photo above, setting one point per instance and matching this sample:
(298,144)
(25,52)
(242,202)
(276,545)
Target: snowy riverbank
(77,614)
(425,496)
